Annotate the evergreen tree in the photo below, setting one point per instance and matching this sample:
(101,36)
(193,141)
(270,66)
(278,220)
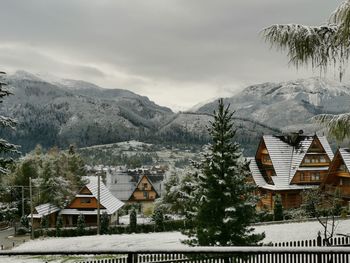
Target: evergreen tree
(59,225)
(6,149)
(158,219)
(278,208)
(81,225)
(24,221)
(170,201)
(133,220)
(225,202)
(104,223)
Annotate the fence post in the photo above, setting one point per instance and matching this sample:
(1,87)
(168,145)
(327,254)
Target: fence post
(319,239)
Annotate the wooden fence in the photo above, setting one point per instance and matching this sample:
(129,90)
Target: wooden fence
(317,242)
(261,254)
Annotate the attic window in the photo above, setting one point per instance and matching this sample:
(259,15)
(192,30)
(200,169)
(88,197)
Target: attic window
(315,177)
(85,200)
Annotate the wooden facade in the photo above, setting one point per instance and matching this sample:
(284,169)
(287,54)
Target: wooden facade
(144,193)
(286,168)
(338,179)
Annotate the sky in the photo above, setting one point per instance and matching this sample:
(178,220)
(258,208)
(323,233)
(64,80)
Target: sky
(176,52)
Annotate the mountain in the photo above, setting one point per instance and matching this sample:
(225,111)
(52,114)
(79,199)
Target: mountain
(52,111)
(289,105)
(68,111)
(269,108)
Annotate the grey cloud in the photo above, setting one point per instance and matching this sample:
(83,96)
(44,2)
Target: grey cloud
(214,43)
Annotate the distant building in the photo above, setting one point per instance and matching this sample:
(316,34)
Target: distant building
(125,184)
(86,203)
(338,179)
(144,193)
(288,164)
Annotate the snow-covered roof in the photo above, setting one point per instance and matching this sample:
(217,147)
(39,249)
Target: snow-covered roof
(286,159)
(261,183)
(122,183)
(46,209)
(345,155)
(109,201)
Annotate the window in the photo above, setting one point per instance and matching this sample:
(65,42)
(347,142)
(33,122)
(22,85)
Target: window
(315,176)
(144,186)
(145,194)
(302,176)
(85,200)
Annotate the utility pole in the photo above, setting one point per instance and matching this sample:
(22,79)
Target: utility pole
(98,203)
(22,201)
(31,208)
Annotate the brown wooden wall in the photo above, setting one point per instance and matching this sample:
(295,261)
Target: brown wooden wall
(78,204)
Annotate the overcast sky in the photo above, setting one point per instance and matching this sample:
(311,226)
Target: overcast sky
(176,52)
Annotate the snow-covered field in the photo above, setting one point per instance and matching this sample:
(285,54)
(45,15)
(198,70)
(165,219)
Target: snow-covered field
(274,233)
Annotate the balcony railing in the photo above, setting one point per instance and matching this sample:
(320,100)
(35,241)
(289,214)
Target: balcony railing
(203,255)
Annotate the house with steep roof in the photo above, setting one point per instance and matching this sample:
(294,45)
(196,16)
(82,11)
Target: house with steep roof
(45,210)
(86,203)
(126,185)
(144,193)
(287,165)
(338,179)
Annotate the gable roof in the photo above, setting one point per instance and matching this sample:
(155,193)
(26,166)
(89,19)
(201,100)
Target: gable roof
(45,209)
(137,185)
(342,154)
(107,200)
(286,158)
(122,182)
(345,155)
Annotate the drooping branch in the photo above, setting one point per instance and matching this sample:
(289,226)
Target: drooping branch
(338,126)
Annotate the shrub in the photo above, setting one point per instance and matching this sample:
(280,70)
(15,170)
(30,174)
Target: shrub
(59,225)
(133,221)
(104,223)
(80,225)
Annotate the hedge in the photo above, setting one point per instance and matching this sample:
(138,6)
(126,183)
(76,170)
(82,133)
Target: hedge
(174,225)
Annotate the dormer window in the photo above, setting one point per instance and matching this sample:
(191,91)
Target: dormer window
(265,158)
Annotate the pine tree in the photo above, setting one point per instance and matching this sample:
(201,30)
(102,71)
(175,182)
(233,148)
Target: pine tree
(104,223)
(278,208)
(81,225)
(133,221)
(59,225)
(225,203)
(6,149)
(158,219)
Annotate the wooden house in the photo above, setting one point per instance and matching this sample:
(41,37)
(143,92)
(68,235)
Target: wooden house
(45,210)
(287,165)
(338,179)
(144,193)
(86,203)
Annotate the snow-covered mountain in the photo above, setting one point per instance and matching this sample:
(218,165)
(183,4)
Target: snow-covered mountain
(289,105)
(51,111)
(60,113)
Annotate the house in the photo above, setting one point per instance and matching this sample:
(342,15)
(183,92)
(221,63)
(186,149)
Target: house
(123,183)
(338,179)
(45,210)
(287,165)
(86,203)
(144,193)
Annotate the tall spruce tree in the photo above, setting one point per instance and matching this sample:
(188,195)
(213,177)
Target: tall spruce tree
(225,200)
(6,148)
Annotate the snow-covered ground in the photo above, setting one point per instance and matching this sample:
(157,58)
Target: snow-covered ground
(274,233)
